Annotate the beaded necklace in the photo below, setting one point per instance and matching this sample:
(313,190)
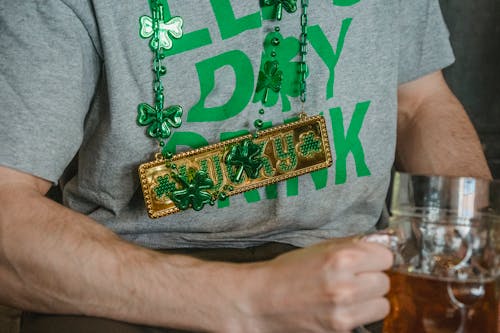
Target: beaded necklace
(198,177)
(159,120)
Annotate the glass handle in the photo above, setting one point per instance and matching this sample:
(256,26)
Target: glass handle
(388,238)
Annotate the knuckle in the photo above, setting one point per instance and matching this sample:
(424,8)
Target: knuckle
(341,293)
(342,259)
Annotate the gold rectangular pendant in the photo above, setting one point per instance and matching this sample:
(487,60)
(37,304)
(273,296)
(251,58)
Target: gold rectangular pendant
(201,176)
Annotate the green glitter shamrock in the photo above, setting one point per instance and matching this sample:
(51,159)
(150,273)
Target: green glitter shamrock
(173,27)
(284,51)
(193,192)
(309,144)
(289,5)
(270,78)
(159,122)
(164,187)
(246,157)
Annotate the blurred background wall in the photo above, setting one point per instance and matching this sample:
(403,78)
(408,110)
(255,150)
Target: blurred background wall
(475,77)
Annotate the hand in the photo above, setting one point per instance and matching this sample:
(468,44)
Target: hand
(333,286)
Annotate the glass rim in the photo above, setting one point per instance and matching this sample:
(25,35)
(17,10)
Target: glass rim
(421,195)
(436,176)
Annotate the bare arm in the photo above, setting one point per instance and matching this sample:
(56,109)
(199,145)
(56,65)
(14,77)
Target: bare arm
(435,135)
(58,261)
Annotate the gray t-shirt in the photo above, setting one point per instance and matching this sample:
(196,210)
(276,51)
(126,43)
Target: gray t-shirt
(73,73)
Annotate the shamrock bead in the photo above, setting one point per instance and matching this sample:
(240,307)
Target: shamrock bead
(258,123)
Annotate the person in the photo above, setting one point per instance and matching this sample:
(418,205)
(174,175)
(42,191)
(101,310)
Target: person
(279,258)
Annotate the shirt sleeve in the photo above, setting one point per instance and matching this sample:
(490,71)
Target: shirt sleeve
(48,74)
(424,45)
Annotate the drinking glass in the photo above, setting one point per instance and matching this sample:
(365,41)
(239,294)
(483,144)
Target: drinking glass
(445,236)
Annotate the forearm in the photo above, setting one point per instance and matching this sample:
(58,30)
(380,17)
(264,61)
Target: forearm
(437,137)
(55,260)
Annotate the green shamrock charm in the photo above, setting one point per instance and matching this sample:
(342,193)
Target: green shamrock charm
(270,78)
(284,51)
(246,156)
(193,192)
(165,29)
(159,121)
(289,5)
(164,187)
(309,144)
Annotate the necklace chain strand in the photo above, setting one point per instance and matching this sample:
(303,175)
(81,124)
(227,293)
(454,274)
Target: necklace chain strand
(303,52)
(157,64)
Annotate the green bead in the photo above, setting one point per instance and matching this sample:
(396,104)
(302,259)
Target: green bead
(261,111)
(279,11)
(275,41)
(166,153)
(228,187)
(258,123)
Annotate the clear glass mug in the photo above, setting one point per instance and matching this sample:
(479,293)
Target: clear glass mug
(445,236)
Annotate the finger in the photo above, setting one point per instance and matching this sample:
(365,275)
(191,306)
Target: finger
(379,258)
(358,257)
(372,285)
(358,288)
(354,315)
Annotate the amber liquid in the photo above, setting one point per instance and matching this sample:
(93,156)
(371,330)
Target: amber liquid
(422,304)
